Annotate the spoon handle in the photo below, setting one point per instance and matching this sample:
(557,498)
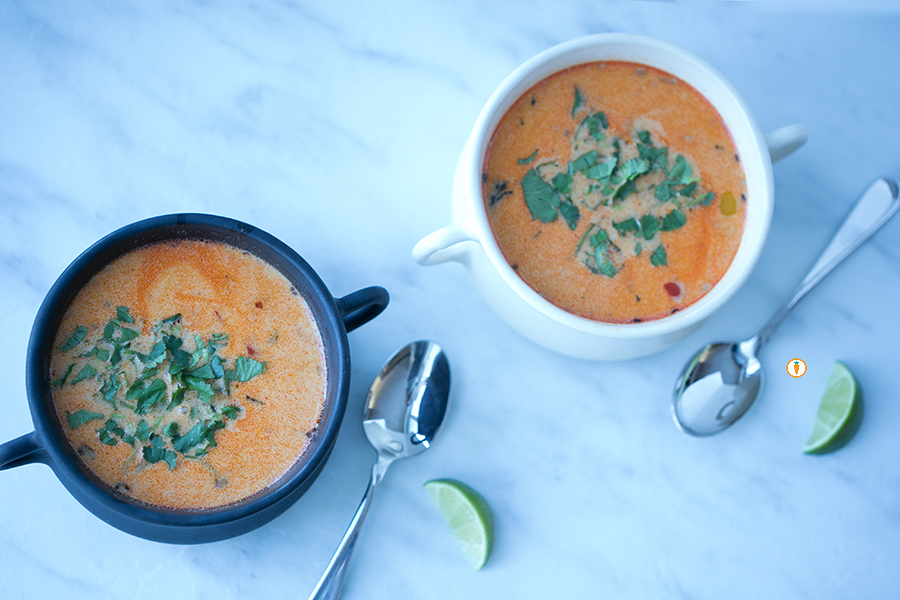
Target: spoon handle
(332,580)
(876,205)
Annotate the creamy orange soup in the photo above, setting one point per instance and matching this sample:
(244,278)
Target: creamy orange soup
(188,374)
(614,191)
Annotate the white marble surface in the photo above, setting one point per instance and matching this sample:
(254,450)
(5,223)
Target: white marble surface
(336,128)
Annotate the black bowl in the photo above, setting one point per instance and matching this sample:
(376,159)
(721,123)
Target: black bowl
(48,444)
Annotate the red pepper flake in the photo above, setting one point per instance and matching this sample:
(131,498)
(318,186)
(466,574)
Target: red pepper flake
(259,305)
(673,289)
(250,350)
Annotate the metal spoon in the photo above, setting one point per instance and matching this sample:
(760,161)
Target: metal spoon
(722,380)
(401,416)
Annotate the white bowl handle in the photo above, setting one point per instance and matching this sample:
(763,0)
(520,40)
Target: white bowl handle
(785,140)
(437,247)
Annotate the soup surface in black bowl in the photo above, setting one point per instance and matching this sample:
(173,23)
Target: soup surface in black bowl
(188,374)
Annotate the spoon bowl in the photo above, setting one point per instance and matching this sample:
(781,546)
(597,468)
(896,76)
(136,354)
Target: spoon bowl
(719,384)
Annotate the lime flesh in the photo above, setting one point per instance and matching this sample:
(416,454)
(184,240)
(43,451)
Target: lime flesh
(468,516)
(840,412)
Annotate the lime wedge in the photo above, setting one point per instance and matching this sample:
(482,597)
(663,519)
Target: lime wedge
(468,516)
(840,412)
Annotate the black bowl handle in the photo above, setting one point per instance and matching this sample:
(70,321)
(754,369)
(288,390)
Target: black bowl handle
(22,451)
(362,306)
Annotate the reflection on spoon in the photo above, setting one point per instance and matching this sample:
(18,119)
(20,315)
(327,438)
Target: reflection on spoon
(722,380)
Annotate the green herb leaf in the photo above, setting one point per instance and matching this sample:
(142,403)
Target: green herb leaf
(156,355)
(579,100)
(203,389)
(122,314)
(594,123)
(204,372)
(74,339)
(601,237)
(601,171)
(663,191)
(644,136)
(637,249)
(106,438)
(586,160)
(562,183)
(103,354)
(221,339)
(247,368)
(171,429)
(62,380)
(673,220)
(541,198)
(649,226)
(215,363)
(200,354)
(116,355)
(525,161)
(127,335)
(627,225)
(659,258)
(705,199)
(633,167)
(681,171)
(177,398)
(80,417)
(570,212)
(190,439)
(151,396)
(135,390)
(624,190)
(110,388)
(86,373)
(110,329)
(231,411)
(171,319)
(688,190)
(604,265)
(143,431)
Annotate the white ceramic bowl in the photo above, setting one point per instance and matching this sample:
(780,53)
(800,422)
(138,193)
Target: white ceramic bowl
(469,239)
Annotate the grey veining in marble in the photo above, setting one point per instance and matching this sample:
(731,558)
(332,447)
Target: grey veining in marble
(336,127)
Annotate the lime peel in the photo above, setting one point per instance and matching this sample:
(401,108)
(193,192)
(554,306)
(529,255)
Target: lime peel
(839,414)
(468,516)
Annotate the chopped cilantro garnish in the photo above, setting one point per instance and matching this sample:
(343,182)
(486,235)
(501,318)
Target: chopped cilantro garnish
(127,335)
(659,258)
(673,221)
(703,199)
(627,225)
(86,373)
(649,226)
(62,380)
(570,213)
(579,100)
(563,183)
(541,198)
(122,315)
(247,368)
(74,339)
(143,431)
(588,159)
(80,417)
(525,161)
